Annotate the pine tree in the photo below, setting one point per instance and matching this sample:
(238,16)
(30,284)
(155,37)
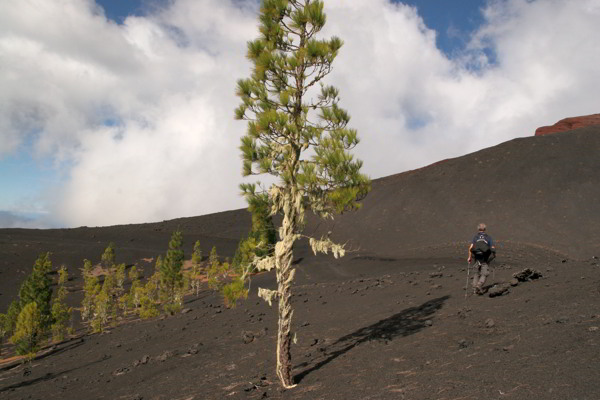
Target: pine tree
(170,272)
(102,311)
(105,302)
(156,276)
(148,301)
(108,257)
(120,279)
(134,277)
(298,134)
(3,330)
(91,288)
(37,288)
(260,242)
(61,313)
(217,272)
(29,330)
(195,277)
(11,316)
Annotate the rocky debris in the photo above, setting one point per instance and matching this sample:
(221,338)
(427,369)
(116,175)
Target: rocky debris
(568,124)
(562,320)
(143,361)
(248,337)
(186,310)
(436,274)
(121,371)
(428,322)
(489,323)
(499,290)
(527,274)
(165,356)
(193,349)
(464,312)
(258,384)
(137,397)
(464,343)
(593,328)
(514,282)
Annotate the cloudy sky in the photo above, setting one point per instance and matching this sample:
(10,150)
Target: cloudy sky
(121,111)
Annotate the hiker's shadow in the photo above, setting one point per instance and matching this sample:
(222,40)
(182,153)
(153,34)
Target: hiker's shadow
(404,323)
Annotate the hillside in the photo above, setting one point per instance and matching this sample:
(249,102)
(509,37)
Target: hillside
(388,321)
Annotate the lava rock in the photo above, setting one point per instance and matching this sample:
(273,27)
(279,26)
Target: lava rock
(499,290)
(165,356)
(527,274)
(247,337)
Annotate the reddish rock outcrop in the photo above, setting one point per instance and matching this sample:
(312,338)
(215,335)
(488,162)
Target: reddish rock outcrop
(568,124)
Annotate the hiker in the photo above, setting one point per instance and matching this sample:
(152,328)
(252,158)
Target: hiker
(483,249)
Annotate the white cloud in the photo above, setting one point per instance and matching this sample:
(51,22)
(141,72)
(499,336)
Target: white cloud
(142,113)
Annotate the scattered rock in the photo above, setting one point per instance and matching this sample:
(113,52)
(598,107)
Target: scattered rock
(527,274)
(464,312)
(508,348)
(562,320)
(464,343)
(165,356)
(514,282)
(247,336)
(314,342)
(428,322)
(593,328)
(499,290)
(306,323)
(137,397)
(194,348)
(121,371)
(436,274)
(186,310)
(489,323)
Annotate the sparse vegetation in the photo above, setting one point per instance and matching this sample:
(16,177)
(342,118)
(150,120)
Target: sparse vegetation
(284,123)
(37,289)
(195,274)
(61,313)
(216,272)
(29,330)
(91,288)
(171,276)
(3,330)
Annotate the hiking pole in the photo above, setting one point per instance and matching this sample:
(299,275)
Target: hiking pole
(467,285)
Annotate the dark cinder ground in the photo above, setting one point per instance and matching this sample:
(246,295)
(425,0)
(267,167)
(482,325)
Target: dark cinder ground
(389,320)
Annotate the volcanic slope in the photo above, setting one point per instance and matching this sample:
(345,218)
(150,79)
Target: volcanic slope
(542,191)
(390,320)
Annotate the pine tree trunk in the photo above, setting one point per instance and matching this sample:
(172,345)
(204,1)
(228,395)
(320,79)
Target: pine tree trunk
(285,275)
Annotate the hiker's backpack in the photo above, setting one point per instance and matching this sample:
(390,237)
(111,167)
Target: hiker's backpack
(481,246)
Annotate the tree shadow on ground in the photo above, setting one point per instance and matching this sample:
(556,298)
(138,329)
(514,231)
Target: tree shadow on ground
(404,323)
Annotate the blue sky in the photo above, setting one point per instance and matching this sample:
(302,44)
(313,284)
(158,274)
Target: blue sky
(108,119)
(454,21)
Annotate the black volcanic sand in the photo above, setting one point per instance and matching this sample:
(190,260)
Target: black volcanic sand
(388,321)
